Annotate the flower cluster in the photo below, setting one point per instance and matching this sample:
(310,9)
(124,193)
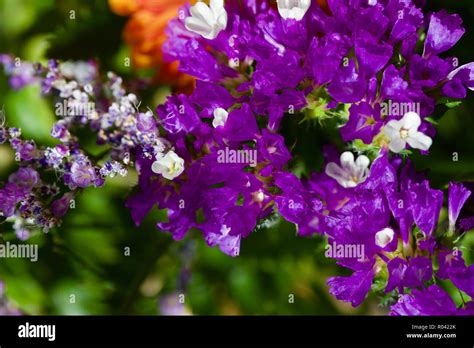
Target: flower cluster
(392,215)
(217,160)
(48,178)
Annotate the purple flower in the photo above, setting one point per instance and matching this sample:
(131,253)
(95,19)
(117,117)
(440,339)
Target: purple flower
(240,125)
(458,195)
(82,174)
(452,266)
(444,32)
(393,85)
(348,86)
(10,196)
(430,301)
(146,123)
(27,151)
(352,289)
(364,123)
(21,73)
(428,72)
(60,206)
(408,274)
(467,224)
(426,205)
(273,149)
(178,115)
(371,55)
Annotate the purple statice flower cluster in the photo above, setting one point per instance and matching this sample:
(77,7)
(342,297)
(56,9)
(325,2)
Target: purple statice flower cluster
(391,215)
(364,62)
(374,67)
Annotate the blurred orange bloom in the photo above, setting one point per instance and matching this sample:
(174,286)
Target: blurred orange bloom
(145,34)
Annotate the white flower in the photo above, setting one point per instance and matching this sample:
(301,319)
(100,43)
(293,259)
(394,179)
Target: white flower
(169,166)
(406,131)
(350,173)
(207,21)
(384,237)
(372,2)
(220,117)
(293,9)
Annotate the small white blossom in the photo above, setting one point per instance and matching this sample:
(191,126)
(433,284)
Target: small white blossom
(207,21)
(293,9)
(351,172)
(405,132)
(169,166)
(384,237)
(220,117)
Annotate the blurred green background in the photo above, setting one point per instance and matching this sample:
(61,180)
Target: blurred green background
(83,267)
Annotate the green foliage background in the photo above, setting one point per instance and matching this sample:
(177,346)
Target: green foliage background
(85,257)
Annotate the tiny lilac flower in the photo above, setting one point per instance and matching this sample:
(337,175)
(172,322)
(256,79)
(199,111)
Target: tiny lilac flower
(207,21)
(406,131)
(220,117)
(293,9)
(349,173)
(82,174)
(169,166)
(25,177)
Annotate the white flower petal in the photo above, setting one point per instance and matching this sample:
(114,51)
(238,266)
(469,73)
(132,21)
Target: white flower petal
(197,26)
(392,129)
(293,9)
(347,160)
(169,166)
(207,21)
(216,4)
(222,20)
(420,141)
(220,117)
(336,172)
(362,162)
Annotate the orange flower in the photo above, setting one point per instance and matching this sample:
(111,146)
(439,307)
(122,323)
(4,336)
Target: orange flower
(324,5)
(145,34)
